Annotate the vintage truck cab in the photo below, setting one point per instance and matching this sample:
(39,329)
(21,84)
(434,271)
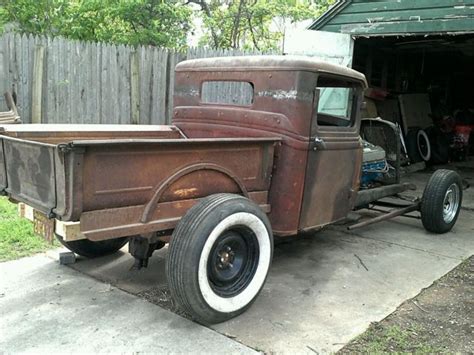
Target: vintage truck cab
(313,107)
(259,147)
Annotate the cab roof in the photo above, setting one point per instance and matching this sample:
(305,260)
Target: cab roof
(268,62)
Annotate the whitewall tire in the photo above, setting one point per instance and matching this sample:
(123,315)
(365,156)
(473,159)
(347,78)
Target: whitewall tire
(220,255)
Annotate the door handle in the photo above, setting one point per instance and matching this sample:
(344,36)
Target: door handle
(319,143)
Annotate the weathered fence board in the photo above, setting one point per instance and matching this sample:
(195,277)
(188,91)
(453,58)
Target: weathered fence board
(61,81)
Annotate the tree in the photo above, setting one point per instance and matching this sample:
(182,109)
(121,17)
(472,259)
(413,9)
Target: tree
(243,24)
(253,24)
(164,23)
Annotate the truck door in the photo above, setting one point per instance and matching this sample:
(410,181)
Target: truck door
(335,152)
(334,157)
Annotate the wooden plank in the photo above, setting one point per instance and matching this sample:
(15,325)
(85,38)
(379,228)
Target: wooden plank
(68,82)
(23,84)
(68,230)
(415,111)
(60,84)
(4,86)
(159,85)
(90,84)
(403,15)
(124,91)
(135,98)
(408,27)
(112,114)
(50,89)
(96,58)
(105,83)
(146,74)
(37,85)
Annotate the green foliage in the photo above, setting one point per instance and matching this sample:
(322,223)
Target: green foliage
(244,24)
(253,24)
(147,22)
(378,341)
(17,238)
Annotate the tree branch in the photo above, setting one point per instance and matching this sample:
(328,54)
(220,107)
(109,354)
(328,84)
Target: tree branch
(205,7)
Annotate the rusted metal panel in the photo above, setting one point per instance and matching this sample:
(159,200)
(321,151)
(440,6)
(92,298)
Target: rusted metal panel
(334,162)
(281,107)
(126,221)
(97,180)
(30,173)
(265,63)
(329,187)
(139,169)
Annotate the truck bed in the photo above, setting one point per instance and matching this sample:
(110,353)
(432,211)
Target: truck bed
(126,180)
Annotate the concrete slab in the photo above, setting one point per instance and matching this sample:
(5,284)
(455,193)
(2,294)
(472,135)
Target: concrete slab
(45,307)
(116,269)
(324,289)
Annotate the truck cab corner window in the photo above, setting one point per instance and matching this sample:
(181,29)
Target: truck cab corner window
(337,101)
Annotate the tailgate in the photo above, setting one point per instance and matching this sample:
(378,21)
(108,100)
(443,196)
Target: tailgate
(27,172)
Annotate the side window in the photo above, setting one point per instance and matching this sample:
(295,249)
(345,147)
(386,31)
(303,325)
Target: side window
(337,101)
(227,93)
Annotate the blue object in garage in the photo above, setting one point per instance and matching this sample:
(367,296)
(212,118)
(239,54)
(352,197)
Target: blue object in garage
(374,165)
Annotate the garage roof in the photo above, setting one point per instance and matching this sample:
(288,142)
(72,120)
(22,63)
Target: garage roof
(398,17)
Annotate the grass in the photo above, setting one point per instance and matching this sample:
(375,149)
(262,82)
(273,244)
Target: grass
(17,238)
(393,339)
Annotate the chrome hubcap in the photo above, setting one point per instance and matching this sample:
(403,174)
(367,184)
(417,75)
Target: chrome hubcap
(451,203)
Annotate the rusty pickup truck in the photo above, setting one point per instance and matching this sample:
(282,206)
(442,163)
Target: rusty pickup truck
(260,148)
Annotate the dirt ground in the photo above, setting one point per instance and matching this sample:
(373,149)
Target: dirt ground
(439,319)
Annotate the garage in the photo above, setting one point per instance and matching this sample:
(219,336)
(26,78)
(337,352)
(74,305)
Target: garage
(418,58)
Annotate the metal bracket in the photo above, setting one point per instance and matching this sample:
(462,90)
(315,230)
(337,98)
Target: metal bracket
(65,147)
(51,214)
(70,147)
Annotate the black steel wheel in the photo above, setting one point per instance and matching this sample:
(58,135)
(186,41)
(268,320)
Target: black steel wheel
(90,249)
(441,201)
(219,257)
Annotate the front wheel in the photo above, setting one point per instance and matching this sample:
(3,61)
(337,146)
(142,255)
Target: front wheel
(441,201)
(219,258)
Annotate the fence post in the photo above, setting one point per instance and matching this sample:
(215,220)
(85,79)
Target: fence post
(134,87)
(37,84)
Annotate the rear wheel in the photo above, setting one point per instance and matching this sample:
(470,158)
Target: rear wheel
(441,201)
(90,249)
(219,258)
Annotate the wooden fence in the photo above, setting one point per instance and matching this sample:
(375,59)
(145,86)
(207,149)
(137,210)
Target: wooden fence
(56,80)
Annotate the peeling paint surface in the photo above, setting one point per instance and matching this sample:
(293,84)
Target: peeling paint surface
(286,95)
(396,17)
